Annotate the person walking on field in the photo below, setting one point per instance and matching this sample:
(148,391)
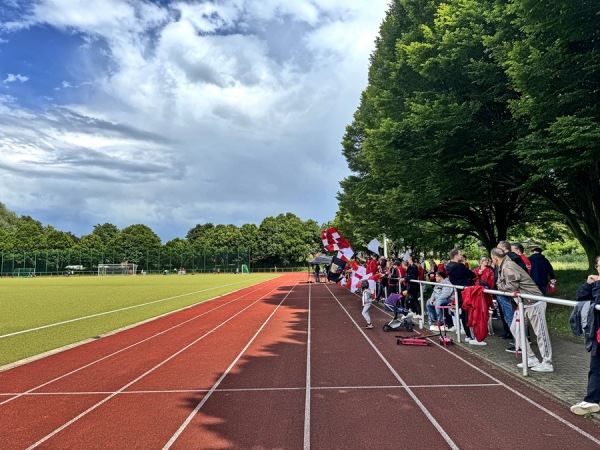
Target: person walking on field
(512,278)
(317,273)
(366,302)
(588,296)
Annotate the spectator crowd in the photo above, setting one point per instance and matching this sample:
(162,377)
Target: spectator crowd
(507,269)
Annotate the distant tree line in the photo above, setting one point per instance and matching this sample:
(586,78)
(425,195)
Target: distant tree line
(282,241)
(480,117)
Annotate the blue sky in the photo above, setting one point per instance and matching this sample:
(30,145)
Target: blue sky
(177,113)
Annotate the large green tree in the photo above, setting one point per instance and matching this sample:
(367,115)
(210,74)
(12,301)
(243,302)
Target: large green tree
(8,219)
(285,240)
(433,142)
(29,235)
(106,232)
(133,243)
(58,240)
(552,56)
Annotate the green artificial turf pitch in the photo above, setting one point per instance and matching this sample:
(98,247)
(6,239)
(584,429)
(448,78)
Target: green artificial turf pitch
(27,303)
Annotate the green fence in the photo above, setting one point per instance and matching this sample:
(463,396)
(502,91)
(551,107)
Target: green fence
(61,262)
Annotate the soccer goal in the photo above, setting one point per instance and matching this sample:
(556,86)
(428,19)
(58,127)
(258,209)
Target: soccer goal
(27,272)
(117,269)
(245,268)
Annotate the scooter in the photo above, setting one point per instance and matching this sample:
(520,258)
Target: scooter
(423,339)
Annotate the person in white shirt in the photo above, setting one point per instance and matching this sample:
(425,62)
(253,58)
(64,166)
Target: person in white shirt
(366,302)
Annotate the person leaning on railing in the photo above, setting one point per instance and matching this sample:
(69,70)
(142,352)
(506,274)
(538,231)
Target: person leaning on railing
(512,278)
(589,291)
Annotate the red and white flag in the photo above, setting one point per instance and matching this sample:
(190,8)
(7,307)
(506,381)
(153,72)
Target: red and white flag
(333,240)
(358,275)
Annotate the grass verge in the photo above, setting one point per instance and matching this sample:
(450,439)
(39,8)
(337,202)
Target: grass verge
(557,316)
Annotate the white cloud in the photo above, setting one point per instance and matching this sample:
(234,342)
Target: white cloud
(11,78)
(223,111)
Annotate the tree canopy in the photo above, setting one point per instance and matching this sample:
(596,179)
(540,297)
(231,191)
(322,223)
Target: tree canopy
(283,241)
(479,116)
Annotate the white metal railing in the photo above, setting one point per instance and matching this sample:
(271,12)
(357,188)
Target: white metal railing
(515,295)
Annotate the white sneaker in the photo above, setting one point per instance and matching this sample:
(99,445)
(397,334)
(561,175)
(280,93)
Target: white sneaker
(476,342)
(453,330)
(531,362)
(434,328)
(583,408)
(544,366)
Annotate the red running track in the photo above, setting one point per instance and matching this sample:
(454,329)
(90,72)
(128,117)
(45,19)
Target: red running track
(285,365)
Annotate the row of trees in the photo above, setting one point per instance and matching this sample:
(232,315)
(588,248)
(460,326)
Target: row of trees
(282,241)
(480,117)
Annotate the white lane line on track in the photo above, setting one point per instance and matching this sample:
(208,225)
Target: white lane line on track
(114,311)
(514,391)
(274,389)
(125,348)
(527,399)
(425,411)
(91,408)
(308,381)
(221,378)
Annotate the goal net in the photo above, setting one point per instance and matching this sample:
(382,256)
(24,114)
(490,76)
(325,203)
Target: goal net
(24,272)
(117,269)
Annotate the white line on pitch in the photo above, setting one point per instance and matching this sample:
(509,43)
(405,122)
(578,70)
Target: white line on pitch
(125,348)
(93,407)
(308,383)
(114,311)
(221,378)
(273,389)
(420,404)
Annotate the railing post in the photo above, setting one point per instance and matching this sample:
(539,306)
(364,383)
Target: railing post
(421,298)
(522,337)
(458,323)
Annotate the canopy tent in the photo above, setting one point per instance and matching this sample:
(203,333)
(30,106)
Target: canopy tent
(321,259)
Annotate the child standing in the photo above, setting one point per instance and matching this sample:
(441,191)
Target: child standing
(366,302)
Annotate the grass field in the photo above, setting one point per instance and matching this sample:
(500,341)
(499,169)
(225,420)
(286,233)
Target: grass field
(569,278)
(28,303)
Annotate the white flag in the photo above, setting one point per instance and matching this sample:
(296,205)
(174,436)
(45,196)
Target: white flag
(374,246)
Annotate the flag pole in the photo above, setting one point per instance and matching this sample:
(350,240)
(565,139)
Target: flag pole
(385,254)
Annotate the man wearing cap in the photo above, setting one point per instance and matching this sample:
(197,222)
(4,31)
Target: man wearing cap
(541,270)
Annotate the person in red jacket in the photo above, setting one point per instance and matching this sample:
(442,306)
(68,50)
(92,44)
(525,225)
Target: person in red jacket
(486,278)
(372,265)
(485,275)
(442,266)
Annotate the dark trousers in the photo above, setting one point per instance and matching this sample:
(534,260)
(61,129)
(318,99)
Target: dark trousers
(504,324)
(593,389)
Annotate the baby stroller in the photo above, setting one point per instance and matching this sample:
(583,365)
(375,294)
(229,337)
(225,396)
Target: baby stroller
(394,304)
